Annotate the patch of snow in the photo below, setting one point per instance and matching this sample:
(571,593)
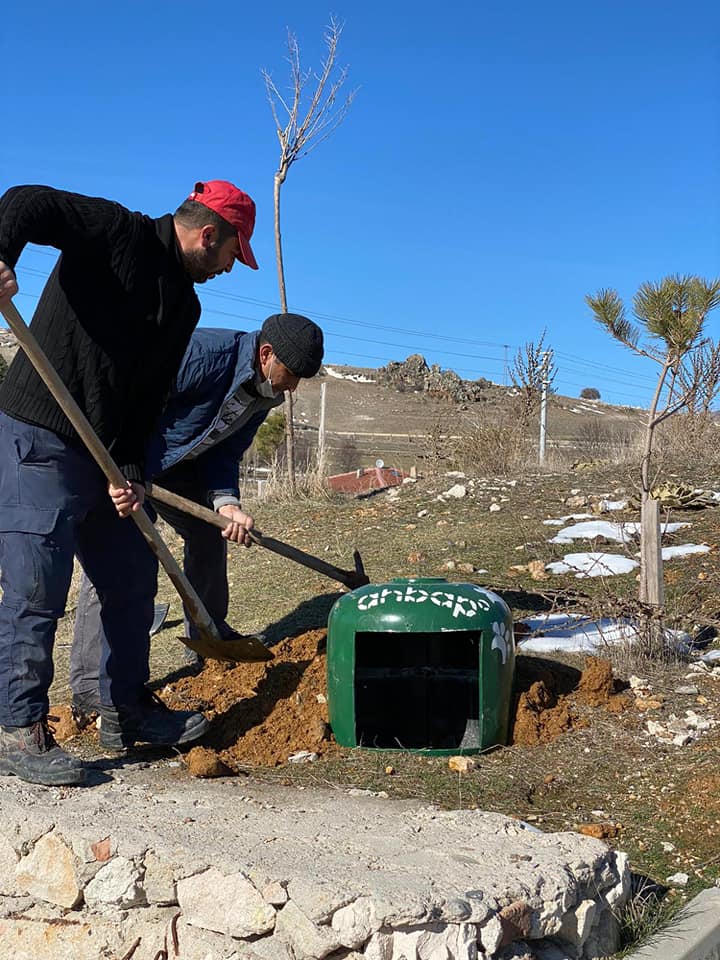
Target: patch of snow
(356,377)
(619,532)
(586,410)
(607,505)
(571,516)
(592,565)
(684,550)
(577,634)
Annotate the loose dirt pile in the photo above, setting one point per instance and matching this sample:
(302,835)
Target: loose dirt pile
(553,703)
(262,714)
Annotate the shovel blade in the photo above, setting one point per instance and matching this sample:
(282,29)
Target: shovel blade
(239,649)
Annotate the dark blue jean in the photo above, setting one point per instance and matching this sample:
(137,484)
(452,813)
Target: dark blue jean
(204,563)
(54,505)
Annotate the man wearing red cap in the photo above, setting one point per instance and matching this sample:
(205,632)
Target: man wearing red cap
(114,319)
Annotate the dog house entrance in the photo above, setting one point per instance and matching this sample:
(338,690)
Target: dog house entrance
(417,690)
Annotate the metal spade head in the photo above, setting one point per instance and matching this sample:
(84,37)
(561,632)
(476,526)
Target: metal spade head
(359,578)
(240,648)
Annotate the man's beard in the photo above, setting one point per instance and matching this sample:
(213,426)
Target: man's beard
(201,265)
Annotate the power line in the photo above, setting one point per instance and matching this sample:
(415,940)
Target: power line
(578,362)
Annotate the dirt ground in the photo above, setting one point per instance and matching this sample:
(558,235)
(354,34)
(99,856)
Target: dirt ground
(581,756)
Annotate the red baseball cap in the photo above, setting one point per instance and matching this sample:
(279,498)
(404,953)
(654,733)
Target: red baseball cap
(234,206)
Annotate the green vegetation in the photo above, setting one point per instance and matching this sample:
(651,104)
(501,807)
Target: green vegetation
(269,437)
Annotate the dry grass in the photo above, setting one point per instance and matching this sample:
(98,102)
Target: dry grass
(608,770)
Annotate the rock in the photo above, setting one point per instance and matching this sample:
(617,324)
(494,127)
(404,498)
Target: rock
(355,923)
(102,850)
(379,947)
(494,507)
(116,884)
(225,904)
(466,568)
(306,940)
(687,691)
(422,513)
(576,501)
(678,879)
(578,923)
(436,941)
(458,491)
(303,756)
(275,893)
(159,880)
(319,899)
(642,704)
(462,764)
(601,831)
(536,568)
(49,872)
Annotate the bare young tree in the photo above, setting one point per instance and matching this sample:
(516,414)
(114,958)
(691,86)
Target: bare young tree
(306,117)
(672,314)
(700,378)
(533,368)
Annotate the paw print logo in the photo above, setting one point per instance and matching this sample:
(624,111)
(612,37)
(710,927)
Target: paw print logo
(502,640)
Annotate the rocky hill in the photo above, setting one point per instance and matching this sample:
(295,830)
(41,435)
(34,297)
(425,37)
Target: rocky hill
(399,412)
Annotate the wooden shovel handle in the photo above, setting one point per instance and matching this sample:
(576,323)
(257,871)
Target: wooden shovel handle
(349,578)
(108,466)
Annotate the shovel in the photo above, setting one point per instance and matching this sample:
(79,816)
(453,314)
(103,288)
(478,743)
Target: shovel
(350,578)
(209,643)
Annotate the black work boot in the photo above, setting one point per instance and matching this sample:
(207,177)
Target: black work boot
(32,754)
(149,721)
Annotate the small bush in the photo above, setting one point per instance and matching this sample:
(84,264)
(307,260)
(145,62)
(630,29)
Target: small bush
(590,393)
(497,446)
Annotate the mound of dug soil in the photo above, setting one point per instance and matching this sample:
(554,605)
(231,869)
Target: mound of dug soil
(552,704)
(261,713)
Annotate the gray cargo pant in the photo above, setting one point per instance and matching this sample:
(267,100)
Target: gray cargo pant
(204,563)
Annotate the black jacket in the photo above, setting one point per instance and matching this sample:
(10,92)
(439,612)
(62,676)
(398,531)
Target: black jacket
(114,318)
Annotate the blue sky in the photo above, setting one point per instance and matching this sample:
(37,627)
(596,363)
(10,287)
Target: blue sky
(500,161)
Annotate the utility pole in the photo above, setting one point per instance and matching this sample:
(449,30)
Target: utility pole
(543,407)
(321,430)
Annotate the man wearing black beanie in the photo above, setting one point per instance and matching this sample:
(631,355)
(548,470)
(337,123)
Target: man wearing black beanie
(227,385)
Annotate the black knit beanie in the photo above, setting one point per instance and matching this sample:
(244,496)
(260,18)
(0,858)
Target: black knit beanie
(296,341)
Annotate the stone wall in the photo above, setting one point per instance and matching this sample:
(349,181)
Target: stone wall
(130,871)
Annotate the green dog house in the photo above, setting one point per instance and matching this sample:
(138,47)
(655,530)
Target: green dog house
(420,664)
